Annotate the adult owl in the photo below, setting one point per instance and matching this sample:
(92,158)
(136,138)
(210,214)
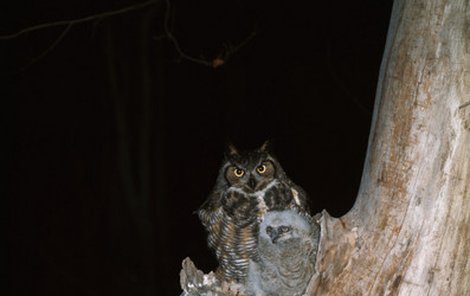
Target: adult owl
(287,248)
(249,184)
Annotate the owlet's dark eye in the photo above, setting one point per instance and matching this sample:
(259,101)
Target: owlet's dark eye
(269,229)
(261,169)
(238,172)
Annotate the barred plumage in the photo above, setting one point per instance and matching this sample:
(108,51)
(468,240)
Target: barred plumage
(249,185)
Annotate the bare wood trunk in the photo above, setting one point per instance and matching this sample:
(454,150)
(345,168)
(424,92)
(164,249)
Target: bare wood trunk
(409,231)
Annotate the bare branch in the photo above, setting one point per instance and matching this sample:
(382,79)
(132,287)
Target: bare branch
(172,38)
(241,44)
(216,62)
(80,20)
(50,48)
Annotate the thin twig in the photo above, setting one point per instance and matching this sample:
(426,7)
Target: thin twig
(175,41)
(79,20)
(241,44)
(216,62)
(50,48)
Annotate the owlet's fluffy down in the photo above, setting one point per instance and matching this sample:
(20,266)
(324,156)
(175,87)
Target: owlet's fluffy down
(287,249)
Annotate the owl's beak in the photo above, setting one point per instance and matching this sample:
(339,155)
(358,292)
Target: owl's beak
(274,235)
(252,183)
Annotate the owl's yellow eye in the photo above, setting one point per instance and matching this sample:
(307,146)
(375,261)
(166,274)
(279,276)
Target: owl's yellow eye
(261,169)
(238,172)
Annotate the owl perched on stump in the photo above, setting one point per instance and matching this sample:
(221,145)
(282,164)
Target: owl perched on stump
(249,185)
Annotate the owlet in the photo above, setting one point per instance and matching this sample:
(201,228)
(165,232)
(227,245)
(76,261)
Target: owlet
(287,249)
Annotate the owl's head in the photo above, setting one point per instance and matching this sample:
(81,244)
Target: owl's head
(281,226)
(250,171)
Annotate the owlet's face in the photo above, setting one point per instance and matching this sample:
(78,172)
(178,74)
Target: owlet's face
(283,226)
(251,171)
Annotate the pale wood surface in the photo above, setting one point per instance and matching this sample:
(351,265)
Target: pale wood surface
(409,231)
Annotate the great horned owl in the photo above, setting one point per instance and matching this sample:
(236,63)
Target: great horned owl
(249,184)
(287,248)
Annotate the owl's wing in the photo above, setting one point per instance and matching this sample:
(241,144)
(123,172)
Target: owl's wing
(209,209)
(300,197)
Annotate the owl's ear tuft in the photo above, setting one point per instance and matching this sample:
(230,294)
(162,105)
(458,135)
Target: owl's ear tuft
(265,147)
(231,150)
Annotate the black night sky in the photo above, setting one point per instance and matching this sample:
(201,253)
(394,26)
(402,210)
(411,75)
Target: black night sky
(113,139)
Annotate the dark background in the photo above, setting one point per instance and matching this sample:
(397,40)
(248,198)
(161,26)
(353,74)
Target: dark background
(113,140)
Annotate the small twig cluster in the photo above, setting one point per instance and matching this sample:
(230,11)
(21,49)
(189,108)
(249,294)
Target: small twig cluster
(216,62)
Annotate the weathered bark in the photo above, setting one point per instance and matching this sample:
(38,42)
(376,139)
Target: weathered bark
(409,231)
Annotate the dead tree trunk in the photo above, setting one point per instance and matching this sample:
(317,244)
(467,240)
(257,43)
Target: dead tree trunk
(409,231)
